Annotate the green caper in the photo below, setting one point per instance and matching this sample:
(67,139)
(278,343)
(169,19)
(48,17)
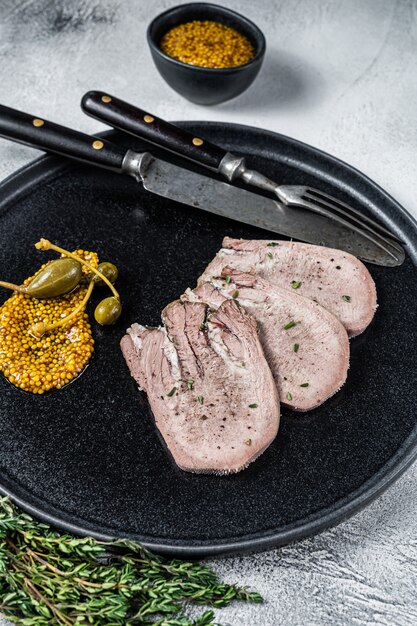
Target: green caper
(58,277)
(108,311)
(109,270)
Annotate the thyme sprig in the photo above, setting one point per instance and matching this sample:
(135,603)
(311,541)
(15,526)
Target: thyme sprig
(48,578)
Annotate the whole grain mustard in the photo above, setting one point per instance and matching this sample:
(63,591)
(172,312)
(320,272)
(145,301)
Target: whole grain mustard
(207,44)
(38,364)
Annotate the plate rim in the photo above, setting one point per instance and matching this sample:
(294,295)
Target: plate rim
(337,512)
(314,524)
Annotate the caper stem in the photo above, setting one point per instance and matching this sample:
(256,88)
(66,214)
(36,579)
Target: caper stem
(45,244)
(37,330)
(13,287)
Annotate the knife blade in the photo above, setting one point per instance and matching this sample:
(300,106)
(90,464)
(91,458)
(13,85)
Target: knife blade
(190,188)
(207,194)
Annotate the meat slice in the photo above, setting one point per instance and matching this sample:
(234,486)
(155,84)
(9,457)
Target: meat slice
(333,278)
(209,386)
(306,347)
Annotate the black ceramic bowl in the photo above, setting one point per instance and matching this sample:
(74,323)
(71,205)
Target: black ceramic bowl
(200,84)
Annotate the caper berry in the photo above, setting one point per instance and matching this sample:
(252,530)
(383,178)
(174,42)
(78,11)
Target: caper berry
(109,270)
(56,278)
(108,311)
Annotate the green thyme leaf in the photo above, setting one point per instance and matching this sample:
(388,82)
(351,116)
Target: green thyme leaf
(305,385)
(51,578)
(296,346)
(289,396)
(289,325)
(203,326)
(269,254)
(346,298)
(253,406)
(190,383)
(235,294)
(200,399)
(228,279)
(272,244)
(171,393)
(295,284)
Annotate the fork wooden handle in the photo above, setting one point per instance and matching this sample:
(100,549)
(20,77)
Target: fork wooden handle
(131,119)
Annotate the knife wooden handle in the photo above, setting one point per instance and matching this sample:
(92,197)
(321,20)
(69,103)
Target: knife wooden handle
(40,133)
(133,120)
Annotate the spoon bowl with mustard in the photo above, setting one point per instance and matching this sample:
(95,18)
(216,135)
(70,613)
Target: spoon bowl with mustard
(205,52)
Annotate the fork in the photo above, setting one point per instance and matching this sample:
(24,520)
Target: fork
(131,119)
(324,204)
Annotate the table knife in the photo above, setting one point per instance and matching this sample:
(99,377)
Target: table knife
(201,192)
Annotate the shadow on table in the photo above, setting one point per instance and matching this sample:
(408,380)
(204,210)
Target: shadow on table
(284,80)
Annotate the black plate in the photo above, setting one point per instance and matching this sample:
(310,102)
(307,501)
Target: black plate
(88,458)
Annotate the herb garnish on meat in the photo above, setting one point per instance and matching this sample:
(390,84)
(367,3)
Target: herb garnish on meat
(289,325)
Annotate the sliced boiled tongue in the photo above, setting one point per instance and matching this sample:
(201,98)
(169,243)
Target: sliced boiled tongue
(335,279)
(208,383)
(306,347)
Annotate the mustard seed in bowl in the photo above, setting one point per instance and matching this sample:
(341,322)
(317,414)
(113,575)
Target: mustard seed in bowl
(206,69)
(207,44)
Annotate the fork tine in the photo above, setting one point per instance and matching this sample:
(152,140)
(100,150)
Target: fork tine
(343,208)
(351,218)
(389,246)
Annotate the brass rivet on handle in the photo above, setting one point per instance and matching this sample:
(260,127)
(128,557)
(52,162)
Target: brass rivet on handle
(148,119)
(105,99)
(37,122)
(197,141)
(97,145)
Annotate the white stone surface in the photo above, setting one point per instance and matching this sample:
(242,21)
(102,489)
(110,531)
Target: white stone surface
(340,75)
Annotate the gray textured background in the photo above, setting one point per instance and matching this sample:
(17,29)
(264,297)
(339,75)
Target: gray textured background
(340,75)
